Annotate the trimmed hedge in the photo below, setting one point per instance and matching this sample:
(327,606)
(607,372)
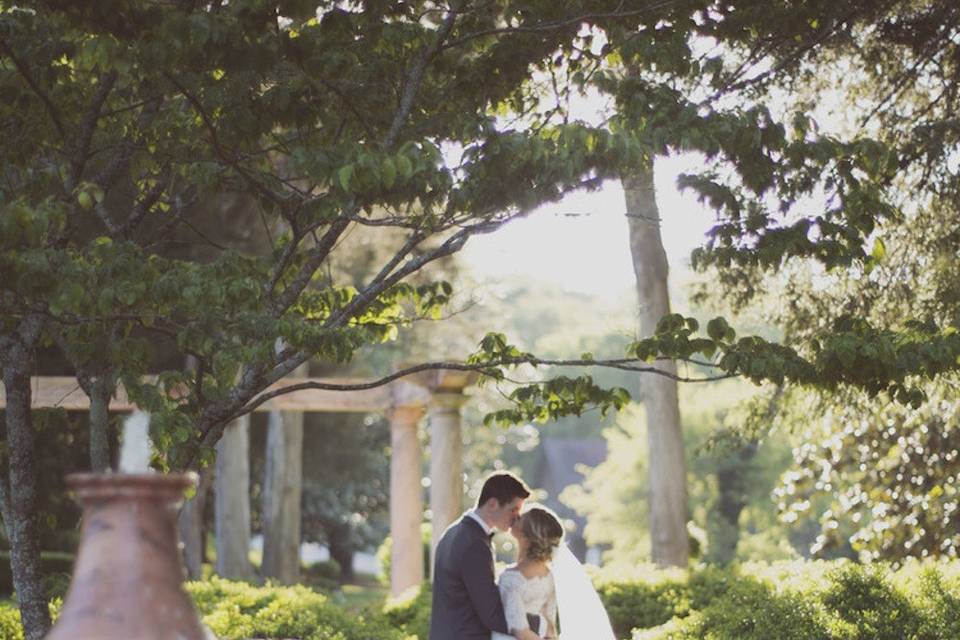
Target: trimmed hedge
(824,601)
(236,610)
(784,601)
(818,600)
(10,628)
(411,613)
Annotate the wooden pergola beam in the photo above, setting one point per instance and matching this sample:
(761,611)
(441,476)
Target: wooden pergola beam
(64,392)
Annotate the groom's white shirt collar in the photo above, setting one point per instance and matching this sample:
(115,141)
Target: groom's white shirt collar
(487,529)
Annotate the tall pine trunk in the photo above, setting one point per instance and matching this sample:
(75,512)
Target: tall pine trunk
(20,495)
(668,469)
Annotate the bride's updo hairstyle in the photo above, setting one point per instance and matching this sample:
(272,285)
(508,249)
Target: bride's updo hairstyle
(543,531)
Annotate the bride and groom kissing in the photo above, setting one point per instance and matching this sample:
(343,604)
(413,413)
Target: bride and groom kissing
(547,591)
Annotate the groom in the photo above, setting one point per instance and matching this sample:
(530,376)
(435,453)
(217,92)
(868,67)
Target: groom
(466,601)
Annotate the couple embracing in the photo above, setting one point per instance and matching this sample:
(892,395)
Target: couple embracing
(546,594)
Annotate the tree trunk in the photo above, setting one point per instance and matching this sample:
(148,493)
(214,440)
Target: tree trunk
(232,501)
(21,494)
(282,488)
(100,390)
(668,469)
(191,526)
(343,554)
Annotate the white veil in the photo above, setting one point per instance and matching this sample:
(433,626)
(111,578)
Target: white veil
(581,613)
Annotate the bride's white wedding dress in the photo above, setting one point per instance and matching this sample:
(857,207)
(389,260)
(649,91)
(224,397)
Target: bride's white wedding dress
(566,593)
(522,595)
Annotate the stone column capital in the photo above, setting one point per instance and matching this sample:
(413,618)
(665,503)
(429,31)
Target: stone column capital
(405,415)
(443,401)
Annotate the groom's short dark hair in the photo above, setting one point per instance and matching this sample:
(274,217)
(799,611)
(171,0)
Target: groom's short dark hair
(504,487)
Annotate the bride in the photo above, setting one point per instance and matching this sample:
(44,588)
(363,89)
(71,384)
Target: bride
(548,579)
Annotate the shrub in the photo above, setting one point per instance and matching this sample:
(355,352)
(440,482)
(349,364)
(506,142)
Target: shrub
(754,610)
(217,593)
(637,604)
(294,612)
(675,629)
(411,612)
(323,575)
(10,628)
(385,553)
(235,610)
(867,607)
(810,600)
(938,601)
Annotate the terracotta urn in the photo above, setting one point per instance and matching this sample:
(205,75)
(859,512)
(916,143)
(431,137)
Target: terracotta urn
(128,579)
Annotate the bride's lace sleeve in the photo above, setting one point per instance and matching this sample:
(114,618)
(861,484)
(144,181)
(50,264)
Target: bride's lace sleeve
(549,610)
(510,584)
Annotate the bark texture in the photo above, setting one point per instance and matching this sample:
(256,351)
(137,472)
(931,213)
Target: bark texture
(232,501)
(668,469)
(191,525)
(100,390)
(20,495)
(282,488)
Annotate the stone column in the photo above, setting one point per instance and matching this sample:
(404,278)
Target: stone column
(232,501)
(282,488)
(406,500)
(446,462)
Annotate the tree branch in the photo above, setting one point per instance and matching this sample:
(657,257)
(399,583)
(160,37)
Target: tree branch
(116,167)
(560,24)
(218,147)
(37,89)
(415,78)
(88,125)
(141,208)
(484,368)
(317,255)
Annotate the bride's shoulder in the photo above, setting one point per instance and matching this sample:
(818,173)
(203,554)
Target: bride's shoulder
(511,575)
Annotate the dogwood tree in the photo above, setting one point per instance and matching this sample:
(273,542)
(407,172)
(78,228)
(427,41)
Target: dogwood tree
(437,121)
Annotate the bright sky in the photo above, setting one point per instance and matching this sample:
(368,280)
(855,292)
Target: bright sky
(581,242)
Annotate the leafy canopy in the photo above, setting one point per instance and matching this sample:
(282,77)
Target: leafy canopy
(126,120)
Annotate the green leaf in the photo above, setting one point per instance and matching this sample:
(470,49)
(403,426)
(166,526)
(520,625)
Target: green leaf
(879,250)
(344,175)
(404,167)
(717,328)
(388,173)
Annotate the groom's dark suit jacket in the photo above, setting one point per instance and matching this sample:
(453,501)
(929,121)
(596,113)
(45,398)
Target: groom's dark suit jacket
(466,601)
